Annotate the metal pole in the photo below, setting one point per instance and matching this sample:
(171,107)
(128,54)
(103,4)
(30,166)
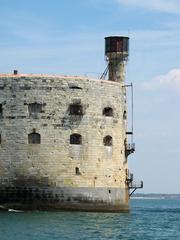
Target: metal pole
(132,113)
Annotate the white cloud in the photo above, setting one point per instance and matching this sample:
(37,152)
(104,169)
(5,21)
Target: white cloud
(169,6)
(171,80)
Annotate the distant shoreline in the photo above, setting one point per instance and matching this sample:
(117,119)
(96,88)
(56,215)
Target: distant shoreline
(155,196)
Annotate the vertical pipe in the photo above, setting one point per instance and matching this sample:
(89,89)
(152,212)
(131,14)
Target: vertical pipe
(132,112)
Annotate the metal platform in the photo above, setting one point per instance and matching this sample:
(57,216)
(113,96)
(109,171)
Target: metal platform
(132,185)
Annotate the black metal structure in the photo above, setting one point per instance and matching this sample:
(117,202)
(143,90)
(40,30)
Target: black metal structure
(133,185)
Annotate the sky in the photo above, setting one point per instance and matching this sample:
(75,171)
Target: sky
(67,37)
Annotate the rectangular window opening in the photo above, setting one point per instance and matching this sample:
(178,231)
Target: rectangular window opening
(77,171)
(76,109)
(34,109)
(1,111)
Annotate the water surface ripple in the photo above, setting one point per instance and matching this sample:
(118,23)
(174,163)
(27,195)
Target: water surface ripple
(149,219)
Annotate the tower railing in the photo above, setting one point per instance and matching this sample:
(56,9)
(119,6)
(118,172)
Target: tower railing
(134,185)
(129,148)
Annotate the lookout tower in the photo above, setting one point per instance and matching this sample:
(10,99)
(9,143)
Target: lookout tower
(116,52)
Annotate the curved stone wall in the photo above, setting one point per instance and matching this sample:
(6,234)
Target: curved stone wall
(61,133)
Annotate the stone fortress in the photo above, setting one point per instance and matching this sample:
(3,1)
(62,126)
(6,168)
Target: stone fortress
(63,140)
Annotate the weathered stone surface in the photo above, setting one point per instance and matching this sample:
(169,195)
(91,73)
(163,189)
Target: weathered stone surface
(52,164)
(87,199)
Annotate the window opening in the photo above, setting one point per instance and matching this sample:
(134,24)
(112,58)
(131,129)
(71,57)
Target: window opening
(76,109)
(77,171)
(34,109)
(1,111)
(34,138)
(125,115)
(108,112)
(74,87)
(76,139)
(107,141)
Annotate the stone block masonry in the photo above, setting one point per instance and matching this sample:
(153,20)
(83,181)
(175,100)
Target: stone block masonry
(62,143)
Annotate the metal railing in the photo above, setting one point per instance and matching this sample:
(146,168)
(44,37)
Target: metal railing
(136,185)
(130,146)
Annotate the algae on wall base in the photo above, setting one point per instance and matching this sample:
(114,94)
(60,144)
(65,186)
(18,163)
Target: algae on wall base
(37,156)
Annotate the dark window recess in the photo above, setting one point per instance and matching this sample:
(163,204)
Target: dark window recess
(74,87)
(1,111)
(34,138)
(34,109)
(107,141)
(0,138)
(125,115)
(77,171)
(76,109)
(108,112)
(76,139)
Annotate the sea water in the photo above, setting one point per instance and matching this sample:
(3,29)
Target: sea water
(149,219)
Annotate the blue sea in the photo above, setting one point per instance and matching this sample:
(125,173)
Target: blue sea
(149,219)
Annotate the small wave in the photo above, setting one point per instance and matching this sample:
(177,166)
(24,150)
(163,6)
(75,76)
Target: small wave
(14,210)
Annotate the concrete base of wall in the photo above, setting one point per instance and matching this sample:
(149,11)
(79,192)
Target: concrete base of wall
(65,198)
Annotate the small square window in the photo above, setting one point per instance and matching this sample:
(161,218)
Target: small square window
(34,109)
(76,139)
(76,109)
(108,112)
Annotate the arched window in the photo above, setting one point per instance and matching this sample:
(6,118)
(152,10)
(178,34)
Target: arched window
(76,109)
(76,139)
(107,141)
(108,112)
(34,138)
